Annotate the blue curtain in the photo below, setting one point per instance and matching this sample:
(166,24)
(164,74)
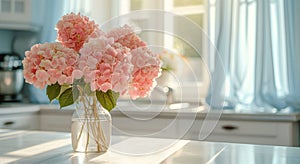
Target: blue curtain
(54,10)
(52,13)
(255,40)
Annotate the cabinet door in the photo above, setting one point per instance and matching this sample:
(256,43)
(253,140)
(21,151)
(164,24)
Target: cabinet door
(17,11)
(28,121)
(252,132)
(154,127)
(59,123)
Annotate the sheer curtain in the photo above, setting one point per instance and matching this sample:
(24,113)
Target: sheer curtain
(54,10)
(255,40)
(82,6)
(99,10)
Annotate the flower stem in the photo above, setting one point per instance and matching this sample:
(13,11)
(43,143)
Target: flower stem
(91,123)
(87,139)
(81,130)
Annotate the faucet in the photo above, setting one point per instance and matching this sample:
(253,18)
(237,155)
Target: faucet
(168,91)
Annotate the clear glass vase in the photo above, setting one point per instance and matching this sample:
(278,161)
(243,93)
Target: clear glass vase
(91,127)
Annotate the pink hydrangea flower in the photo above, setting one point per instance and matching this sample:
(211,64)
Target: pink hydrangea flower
(118,60)
(143,81)
(48,63)
(126,37)
(105,65)
(74,29)
(147,67)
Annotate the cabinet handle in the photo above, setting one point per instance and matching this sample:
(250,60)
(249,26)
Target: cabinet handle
(8,123)
(229,127)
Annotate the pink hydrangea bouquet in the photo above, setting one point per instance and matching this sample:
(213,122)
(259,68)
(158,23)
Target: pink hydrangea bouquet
(107,63)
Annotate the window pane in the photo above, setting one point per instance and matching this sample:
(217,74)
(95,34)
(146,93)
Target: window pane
(185,49)
(182,46)
(181,3)
(136,5)
(196,18)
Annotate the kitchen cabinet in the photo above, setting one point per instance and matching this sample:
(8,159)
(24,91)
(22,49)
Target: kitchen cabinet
(28,121)
(53,119)
(266,129)
(21,14)
(253,132)
(252,128)
(25,117)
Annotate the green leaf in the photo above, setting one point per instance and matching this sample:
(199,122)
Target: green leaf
(75,92)
(53,91)
(66,98)
(87,89)
(107,99)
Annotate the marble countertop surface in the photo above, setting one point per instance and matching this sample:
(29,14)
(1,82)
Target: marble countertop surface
(195,112)
(55,147)
(13,108)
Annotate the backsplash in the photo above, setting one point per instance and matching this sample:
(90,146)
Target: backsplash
(6,37)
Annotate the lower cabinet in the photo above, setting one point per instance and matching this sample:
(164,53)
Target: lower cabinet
(285,133)
(56,120)
(252,132)
(23,121)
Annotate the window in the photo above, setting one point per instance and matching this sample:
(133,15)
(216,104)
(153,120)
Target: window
(194,74)
(193,10)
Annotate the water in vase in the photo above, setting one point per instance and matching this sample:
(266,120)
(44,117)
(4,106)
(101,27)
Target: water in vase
(91,135)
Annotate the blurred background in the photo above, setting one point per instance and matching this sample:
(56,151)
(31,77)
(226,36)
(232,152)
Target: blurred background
(254,42)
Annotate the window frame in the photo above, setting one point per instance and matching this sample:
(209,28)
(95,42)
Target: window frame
(167,5)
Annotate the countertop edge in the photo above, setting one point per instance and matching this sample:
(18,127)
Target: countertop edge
(194,114)
(24,108)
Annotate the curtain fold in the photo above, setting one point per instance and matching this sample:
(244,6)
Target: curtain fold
(54,10)
(77,6)
(292,57)
(255,39)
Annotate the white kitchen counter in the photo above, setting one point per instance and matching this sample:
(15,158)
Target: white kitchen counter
(55,147)
(199,112)
(253,128)
(13,108)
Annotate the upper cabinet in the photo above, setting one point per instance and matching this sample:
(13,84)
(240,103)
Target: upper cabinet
(21,14)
